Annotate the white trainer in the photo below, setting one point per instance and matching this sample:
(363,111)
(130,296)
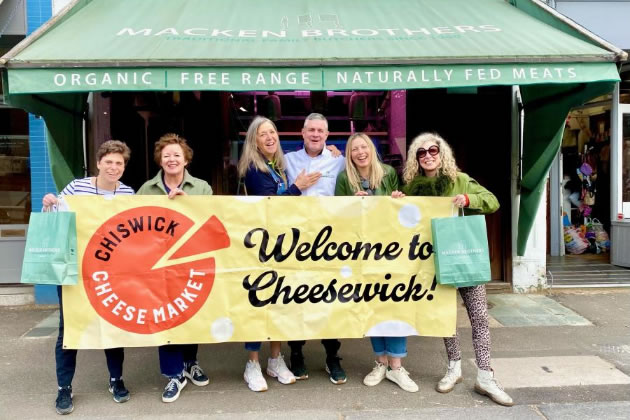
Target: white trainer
(401,377)
(376,376)
(253,376)
(453,376)
(276,368)
(488,385)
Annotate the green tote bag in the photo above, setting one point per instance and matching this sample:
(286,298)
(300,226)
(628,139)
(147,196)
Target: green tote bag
(460,246)
(50,256)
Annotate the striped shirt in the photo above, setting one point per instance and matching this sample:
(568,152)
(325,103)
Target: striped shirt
(84,186)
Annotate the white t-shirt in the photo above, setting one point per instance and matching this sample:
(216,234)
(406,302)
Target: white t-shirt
(325,163)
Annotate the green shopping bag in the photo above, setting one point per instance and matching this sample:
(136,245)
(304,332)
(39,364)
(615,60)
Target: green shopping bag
(460,246)
(50,256)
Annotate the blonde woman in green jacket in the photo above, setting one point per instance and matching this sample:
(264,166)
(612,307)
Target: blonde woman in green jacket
(431,171)
(366,175)
(178,362)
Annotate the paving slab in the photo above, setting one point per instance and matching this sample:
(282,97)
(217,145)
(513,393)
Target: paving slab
(557,371)
(595,411)
(513,310)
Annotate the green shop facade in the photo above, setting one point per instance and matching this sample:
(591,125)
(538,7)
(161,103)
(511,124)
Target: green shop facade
(496,78)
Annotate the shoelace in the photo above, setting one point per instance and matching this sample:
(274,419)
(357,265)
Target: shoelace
(195,370)
(171,385)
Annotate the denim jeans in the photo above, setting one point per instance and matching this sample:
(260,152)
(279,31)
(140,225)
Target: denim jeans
(389,346)
(173,357)
(66,360)
(253,346)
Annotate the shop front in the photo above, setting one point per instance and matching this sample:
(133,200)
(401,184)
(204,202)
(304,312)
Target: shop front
(495,78)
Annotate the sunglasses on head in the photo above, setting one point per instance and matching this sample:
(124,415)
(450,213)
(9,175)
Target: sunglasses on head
(433,150)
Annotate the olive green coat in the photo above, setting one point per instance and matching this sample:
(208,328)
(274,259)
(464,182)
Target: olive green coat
(388,184)
(190,185)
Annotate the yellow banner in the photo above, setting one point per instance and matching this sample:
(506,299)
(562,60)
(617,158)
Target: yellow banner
(207,269)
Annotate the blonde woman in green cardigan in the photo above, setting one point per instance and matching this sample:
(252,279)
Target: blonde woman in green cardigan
(431,170)
(366,175)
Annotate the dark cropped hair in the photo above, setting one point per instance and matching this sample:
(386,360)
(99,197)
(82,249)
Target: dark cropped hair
(113,146)
(171,138)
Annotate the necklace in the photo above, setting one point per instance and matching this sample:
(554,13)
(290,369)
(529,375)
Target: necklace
(96,185)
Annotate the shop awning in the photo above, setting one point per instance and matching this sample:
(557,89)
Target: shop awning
(314,45)
(143,45)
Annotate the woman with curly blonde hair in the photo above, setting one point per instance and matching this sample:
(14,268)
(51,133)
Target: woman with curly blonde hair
(431,170)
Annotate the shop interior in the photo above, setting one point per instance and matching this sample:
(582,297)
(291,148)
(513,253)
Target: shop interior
(586,180)
(476,122)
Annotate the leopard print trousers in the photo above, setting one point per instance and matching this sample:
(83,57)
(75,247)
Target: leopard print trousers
(477,307)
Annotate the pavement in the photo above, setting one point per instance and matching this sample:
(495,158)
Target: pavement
(564,355)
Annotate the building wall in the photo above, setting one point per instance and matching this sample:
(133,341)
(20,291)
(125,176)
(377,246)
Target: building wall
(38,12)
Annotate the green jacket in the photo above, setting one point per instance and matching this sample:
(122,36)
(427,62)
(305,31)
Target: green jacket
(190,185)
(388,185)
(481,200)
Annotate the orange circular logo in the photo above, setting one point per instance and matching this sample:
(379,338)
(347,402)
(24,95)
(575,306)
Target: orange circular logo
(132,274)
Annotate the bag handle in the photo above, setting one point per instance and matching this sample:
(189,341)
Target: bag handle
(458,213)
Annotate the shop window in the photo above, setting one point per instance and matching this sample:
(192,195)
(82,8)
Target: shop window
(15,178)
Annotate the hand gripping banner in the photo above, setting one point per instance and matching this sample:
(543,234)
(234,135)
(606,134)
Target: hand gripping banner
(207,269)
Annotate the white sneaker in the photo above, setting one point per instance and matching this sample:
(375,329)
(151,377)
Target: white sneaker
(401,377)
(276,368)
(453,376)
(487,385)
(376,376)
(254,378)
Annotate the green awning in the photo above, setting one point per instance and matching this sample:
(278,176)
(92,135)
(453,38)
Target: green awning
(160,45)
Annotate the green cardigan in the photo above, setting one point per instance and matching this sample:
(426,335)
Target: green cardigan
(388,185)
(481,200)
(190,185)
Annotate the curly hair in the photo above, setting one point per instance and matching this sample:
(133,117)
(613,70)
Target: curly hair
(168,139)
(447,167)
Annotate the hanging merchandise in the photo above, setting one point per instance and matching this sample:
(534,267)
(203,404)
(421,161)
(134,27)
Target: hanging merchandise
(588,174)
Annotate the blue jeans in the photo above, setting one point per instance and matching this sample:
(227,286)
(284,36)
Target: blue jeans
(389,346)
(174,357)
(253,346)
(66,359)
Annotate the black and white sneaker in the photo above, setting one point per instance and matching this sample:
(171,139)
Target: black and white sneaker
(173,388)
(118,390)
(195,374)
(63,404)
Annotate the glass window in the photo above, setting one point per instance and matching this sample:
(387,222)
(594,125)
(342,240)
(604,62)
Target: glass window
(15,174)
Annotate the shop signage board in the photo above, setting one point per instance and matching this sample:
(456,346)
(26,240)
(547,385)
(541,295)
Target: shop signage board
(212,269)
(301,78)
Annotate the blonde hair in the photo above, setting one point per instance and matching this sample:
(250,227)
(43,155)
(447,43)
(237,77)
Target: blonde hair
(376,170)
(447,167)
(251,156)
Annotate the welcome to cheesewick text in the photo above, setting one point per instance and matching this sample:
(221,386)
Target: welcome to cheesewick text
(322,248)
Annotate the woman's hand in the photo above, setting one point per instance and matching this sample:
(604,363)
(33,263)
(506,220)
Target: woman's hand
(304,180)
(460,200)
(333,150)
(361,193)
(175,192)
(397,194)
(49,200)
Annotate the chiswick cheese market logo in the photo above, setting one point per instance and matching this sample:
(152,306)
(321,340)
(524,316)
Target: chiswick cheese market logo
(147,269)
